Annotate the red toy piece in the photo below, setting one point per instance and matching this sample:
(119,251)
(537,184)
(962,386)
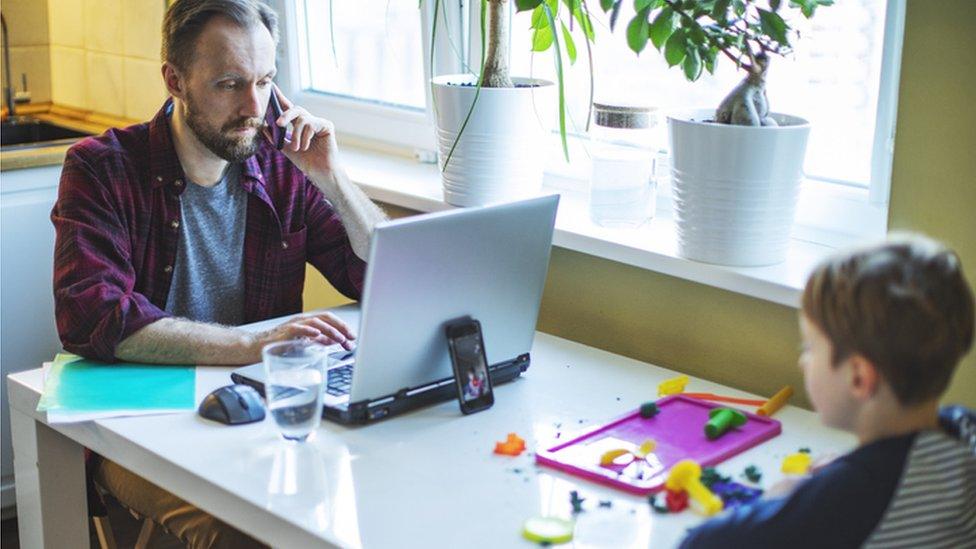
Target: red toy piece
(676,501)
(513,446)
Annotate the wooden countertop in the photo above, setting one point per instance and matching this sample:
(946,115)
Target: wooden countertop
(86,121)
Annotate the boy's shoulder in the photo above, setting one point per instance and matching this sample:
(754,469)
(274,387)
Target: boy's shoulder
(919,488)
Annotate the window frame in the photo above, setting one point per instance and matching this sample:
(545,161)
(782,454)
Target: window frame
(863,210)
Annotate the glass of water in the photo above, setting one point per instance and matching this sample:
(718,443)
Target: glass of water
(295,373)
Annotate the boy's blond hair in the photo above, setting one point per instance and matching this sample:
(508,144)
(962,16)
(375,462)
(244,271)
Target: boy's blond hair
(904,305)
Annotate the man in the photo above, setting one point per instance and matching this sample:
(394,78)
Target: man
(172,232)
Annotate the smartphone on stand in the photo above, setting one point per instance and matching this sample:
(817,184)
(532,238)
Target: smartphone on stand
(467,349)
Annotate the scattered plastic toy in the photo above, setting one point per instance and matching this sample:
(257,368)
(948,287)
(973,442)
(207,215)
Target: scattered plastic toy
(753,474)
(610,457)
(776,402)
(672,386)
(649,409)
(797,464)
(720,420)
(734,494)
(512,446)
(676,501)
(710,476)
(727,399)
(606,503)
(654,501)
(576,501)
(548,530)
(686,476)
(804,450)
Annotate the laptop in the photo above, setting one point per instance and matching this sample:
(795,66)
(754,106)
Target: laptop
(488,263)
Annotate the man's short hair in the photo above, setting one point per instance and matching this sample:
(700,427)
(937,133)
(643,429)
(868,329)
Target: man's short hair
(904,305)
(185,20)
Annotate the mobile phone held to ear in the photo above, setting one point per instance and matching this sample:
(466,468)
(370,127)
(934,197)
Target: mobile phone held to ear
(467,350)
(271,117)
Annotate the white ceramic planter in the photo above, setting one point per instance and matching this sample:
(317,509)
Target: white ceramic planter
(735,188)
(502,150)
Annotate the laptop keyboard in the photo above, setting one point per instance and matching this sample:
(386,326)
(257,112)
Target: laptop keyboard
(340,379)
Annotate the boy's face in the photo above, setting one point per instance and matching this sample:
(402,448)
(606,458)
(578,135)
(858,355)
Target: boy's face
(827,385)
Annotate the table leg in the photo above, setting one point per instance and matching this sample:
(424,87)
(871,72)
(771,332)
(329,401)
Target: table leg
(49,468)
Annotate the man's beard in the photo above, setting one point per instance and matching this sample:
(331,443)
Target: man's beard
(232,149)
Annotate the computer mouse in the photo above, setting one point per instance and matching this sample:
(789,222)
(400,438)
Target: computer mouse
(233,405)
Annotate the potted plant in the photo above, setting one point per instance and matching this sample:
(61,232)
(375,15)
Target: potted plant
(492,127)
(737,169)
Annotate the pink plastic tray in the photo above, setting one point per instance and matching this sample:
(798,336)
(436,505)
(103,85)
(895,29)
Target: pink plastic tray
(679,432)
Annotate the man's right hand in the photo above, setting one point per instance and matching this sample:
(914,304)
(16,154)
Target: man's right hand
(323,328)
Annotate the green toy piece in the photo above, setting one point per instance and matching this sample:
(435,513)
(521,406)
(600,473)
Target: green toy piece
(804,450)
(753,474)
(576,501)
(721,420)
(710,476)
(649,409)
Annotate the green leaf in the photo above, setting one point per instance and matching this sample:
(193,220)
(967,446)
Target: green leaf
(541,39)
(585,23)
(539,18)
(605,5)
(560,84)
(709,60)
(526,5)
(637,31)
(774,5)
(674,49)
(773,26)
(645,4)
(720,11)
(570,45)
(692,63)
(662,27)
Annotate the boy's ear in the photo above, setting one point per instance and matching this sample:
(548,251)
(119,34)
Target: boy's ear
(864,377)
(175,84)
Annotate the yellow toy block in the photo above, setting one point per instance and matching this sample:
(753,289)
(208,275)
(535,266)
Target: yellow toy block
(672,386)
(797,464)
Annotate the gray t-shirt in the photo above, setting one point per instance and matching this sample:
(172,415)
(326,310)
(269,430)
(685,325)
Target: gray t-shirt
(208,277)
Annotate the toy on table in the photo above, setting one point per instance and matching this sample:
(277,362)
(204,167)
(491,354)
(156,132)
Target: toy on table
(686,475)
(797,464)
(720,420)
(726,399)
(576,501)
(512,446)
(672,386)
(776,402)
(753,474)
(734,494)
(548,530)
(612,457)
(677,431)
(649,409)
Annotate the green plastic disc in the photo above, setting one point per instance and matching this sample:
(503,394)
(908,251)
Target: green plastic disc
(548,530)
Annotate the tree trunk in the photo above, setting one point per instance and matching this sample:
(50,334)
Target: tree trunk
(496,61)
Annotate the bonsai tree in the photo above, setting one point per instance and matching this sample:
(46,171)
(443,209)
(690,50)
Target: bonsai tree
(549,24)
(693,33)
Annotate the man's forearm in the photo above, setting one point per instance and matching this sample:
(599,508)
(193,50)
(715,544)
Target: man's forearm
(358,213)
(181,341)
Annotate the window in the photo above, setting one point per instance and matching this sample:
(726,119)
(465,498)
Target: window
(842,76)
(378,51)
(831,79)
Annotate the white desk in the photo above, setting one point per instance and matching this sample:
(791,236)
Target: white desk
(426,479)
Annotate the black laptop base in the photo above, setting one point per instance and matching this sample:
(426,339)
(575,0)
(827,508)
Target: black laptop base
(404,400)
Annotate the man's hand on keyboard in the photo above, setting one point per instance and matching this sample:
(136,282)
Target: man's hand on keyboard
(324,328)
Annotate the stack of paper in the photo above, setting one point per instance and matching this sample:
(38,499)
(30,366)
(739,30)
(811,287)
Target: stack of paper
(78,389)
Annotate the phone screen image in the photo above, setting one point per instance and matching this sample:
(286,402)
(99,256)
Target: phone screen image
(470,368)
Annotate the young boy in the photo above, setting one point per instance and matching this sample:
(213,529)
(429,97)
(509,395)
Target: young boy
(883,329)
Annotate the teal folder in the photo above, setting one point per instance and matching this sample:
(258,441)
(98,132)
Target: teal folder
(76,384)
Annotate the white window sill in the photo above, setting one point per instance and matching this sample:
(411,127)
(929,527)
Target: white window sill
(406,183)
